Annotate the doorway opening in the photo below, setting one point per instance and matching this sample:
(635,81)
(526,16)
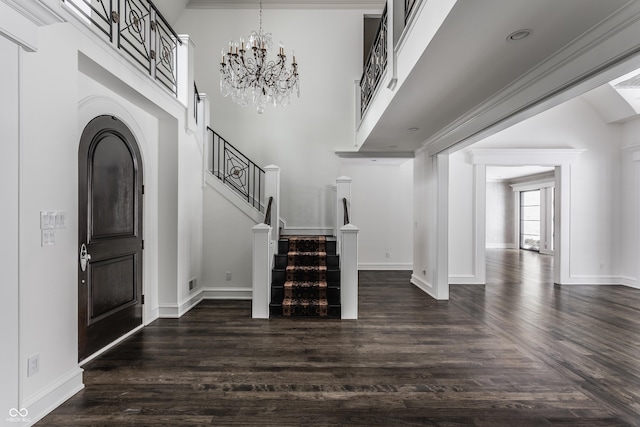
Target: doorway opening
(110,221)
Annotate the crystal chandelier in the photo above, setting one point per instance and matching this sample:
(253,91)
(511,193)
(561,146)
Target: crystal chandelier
(249,77)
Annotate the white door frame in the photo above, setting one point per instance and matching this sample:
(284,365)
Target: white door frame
(562,160)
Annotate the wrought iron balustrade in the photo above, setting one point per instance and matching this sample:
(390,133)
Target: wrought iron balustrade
(143,33)
(345,209)
(408,8)
(375,65)
(236,170)
(196,101)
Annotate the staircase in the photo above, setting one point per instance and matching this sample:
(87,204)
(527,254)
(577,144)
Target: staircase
(305,278)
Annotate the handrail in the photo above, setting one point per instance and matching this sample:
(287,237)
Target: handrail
(165,21)
(375,65)
(196,101)
(236,170)
(346,211)
(267,217)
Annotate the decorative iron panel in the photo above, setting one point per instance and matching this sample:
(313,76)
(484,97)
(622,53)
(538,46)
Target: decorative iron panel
(166,49)
(96,13)
(237,171)
(375,66)
(144,36)
(134,31)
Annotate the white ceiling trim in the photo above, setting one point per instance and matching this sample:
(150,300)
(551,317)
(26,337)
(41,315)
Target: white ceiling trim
(285,4)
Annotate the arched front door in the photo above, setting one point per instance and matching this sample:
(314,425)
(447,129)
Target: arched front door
(110,234)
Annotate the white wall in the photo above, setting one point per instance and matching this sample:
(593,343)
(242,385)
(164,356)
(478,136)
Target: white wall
(48,275)
(228,246)
(301,138)
(430,228)
(629,253)
(461,217)
(595,183)
(70,79)
(382,208)
(9,244)
(500,215)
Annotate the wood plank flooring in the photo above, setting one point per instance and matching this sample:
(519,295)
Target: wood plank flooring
(519,351)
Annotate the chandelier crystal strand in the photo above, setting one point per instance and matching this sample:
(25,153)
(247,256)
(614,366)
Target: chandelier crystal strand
(249,77)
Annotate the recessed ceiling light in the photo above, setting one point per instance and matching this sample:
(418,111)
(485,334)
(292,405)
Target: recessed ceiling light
(413,129)
(516,36)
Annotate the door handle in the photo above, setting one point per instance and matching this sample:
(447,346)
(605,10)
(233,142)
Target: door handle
(85,257)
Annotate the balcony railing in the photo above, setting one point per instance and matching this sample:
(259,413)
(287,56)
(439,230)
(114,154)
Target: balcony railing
(143,34)
(235,170)
(196,101)
(375,66)
(408,8)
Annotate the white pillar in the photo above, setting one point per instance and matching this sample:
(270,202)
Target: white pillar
(480,223)
(272,189)
(261,272)
(441,254)
(343,190)
(185,74)
(204,121)
(349,272)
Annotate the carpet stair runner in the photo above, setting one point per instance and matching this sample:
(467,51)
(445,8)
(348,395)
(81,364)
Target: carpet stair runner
(306,278)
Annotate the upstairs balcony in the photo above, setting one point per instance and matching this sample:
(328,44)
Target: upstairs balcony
(442,72)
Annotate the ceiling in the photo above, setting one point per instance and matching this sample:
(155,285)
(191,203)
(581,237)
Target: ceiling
(470,77)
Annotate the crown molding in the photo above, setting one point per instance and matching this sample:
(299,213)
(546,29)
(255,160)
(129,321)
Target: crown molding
(37,12)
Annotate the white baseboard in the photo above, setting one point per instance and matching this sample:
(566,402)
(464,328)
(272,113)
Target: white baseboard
(244,293)
(48,399)
(152,315)
(385,266)
(501,246)
(423,285)
(631,282)
(465,279)
(176,311)
(593,280)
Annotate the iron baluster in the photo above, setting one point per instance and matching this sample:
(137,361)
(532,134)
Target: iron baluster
(375,65)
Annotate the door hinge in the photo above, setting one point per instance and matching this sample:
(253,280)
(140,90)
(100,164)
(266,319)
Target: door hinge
(142,245)
(142,189)
(142,299)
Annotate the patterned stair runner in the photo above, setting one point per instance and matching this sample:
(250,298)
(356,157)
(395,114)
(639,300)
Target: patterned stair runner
(305,288)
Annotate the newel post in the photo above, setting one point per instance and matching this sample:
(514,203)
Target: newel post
(261,271)
(343,191)
(272,189)
(186,72)
(349,272)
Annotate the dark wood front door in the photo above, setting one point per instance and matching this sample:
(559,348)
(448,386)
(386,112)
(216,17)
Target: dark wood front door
(110,232)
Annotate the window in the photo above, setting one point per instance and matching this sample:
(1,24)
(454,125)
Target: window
(530,220)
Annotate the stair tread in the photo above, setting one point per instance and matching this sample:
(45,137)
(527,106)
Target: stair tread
(309,278)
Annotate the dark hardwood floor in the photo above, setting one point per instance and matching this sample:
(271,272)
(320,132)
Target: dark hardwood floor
(519,351)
